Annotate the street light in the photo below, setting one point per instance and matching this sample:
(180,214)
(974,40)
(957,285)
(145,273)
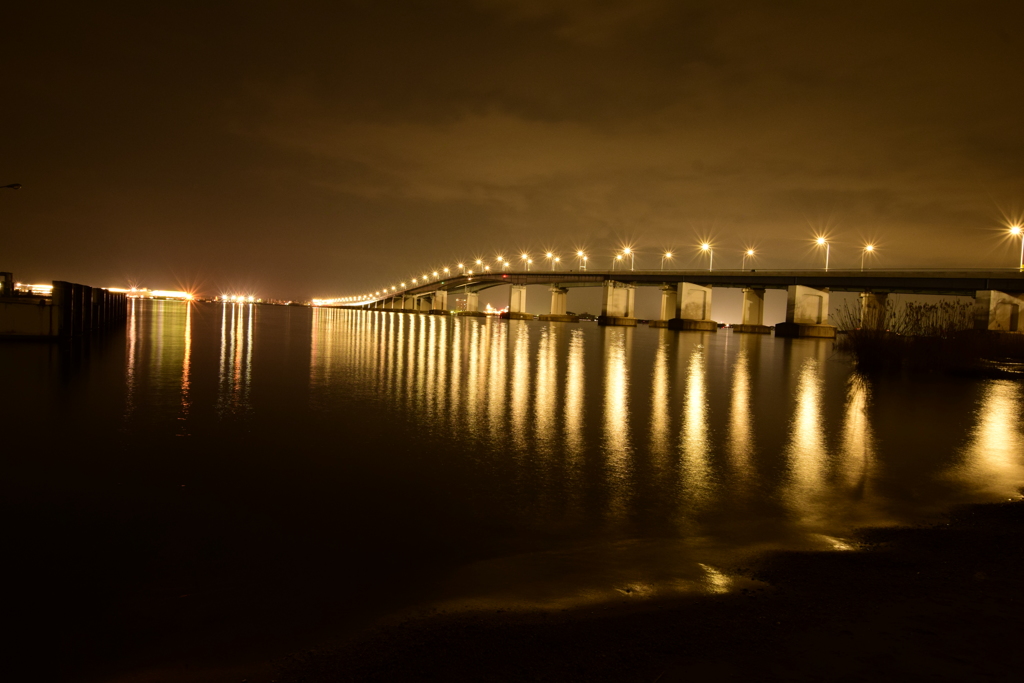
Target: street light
(446,271)
(462,267)
(705,247)
(618,257)
(868,248)
(557,260)
(749,253)
(581,259)
(526,260)
(584,267)
(666,255)
(632,256)
(1017,231)
(822,242)
(549,257)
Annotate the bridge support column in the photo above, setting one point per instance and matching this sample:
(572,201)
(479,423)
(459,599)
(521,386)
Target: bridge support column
(693,309)
(618,304)
(439,302)
(753,312)
(996,311)
(559,297)
(517,303)
(472,305)
(872,310)
(669,297)
(408,303)
(806,314)
(424,303)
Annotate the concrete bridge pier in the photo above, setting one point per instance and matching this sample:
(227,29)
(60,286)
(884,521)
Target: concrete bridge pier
(753,312)
(439,302)
(618,304)
(517,303)
(424,303)
(872,310)
(693,309)
(559,300)
(806,314)
(996,311)
(669,297)
(408,303)
(472,305)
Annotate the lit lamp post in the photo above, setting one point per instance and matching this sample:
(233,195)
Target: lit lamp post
(868,249)
(462,268)
(632,257)
(1017,231)
(584,266)
(822,242)
(666,255)
(555,262)
(526,261)
(749,253)
(550,257)
(581,259)
(446,271)
(706,248)
(618,257)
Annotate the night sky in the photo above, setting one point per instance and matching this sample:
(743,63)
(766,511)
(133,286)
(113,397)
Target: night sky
(308,149)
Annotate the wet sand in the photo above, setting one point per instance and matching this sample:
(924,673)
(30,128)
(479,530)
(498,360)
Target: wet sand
(937,603)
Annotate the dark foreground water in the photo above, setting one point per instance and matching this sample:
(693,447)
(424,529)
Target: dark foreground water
(237,481)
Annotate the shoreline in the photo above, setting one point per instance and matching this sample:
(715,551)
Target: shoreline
(930,602)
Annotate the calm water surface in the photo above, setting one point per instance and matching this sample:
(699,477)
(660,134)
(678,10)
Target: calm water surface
(248,474)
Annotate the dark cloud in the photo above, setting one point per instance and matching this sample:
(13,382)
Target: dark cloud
(319,148)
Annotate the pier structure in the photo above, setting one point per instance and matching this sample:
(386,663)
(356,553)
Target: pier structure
(68,310)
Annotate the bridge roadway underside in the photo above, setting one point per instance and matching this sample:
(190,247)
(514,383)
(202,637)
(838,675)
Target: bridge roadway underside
(948,282)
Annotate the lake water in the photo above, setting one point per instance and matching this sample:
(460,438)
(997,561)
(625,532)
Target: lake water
(228,478)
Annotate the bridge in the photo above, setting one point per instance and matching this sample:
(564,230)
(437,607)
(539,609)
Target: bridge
(686,295)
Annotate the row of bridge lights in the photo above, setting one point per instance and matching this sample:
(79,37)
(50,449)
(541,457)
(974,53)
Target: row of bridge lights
(629,253)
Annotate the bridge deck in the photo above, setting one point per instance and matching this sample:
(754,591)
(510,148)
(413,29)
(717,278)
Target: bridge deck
(950,282)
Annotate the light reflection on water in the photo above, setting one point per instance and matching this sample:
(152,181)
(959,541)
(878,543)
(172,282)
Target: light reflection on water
(597,458)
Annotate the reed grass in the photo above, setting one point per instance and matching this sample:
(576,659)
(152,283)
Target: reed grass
(928,337)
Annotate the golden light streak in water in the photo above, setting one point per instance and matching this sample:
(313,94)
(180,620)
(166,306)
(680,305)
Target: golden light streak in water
(398,369)
(806,452)
(455,376)
(575,387)
(496,405)
(616,417)
(131,379)
(858,439)
(520,389)
(694,444)
(994,457)
(741,417)
(419,394)
(545,402)
(235,373)
(443,341)
(186,370)
(661,423)
(474,378)
(430,385)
